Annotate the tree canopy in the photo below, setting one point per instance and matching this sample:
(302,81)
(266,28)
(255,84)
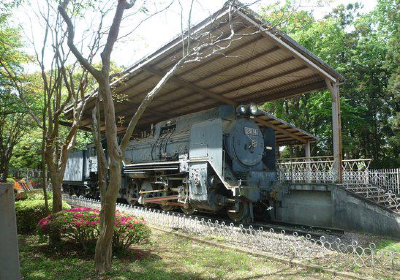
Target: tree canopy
(362,47)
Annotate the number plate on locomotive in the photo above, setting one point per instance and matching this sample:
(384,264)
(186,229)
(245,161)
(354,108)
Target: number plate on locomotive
(250,131)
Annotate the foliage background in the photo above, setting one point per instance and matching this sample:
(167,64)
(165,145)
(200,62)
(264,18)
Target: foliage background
(364,49)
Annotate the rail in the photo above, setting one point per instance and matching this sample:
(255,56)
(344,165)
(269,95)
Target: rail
(327,251)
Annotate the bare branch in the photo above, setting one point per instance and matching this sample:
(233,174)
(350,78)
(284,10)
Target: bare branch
(71,34)
(146,102)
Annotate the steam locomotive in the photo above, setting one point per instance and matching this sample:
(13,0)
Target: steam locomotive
(210,161)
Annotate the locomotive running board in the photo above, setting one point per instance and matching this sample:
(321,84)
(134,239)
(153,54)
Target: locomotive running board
(151,166)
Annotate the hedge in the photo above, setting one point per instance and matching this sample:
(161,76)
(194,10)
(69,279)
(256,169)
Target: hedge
(29,212)
(38,195)
(82,226)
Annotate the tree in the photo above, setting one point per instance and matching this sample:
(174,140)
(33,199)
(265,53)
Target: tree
(13,119)
(196,46)
(63,83)
(13,122)
(356,45)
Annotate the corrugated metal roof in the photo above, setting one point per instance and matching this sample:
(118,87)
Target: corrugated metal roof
(266,66)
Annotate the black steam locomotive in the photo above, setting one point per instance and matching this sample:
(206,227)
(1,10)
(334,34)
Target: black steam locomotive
(210,161)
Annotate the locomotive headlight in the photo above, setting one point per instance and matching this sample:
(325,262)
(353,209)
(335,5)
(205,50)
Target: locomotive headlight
(241,110)
(253,109)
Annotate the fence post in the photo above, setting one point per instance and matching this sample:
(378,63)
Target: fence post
(9,257)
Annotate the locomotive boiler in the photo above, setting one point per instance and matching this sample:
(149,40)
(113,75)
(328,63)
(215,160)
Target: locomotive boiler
(210,161)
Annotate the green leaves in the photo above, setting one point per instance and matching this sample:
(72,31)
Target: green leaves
(364,49)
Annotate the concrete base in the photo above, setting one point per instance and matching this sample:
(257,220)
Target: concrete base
(329,205)
(9,258)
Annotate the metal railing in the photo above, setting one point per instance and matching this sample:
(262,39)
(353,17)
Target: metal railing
(389,179)
(26,173)
(308,169)
(328,252)
(321,170)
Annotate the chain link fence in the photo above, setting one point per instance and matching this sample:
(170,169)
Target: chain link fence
(328,252)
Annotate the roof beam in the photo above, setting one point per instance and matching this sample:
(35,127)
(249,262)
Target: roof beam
(131,108)
(241,76)
(178,51)
(298,90)
(268,78)
(192,87)
(264,94)
(228,52)
(272,65)
(225,69)
(292,92)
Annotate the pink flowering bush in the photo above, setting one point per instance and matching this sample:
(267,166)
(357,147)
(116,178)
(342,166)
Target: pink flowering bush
(81,225)
(129,230)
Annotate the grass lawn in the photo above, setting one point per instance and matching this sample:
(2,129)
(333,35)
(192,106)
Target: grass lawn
(167,257)
(388,244)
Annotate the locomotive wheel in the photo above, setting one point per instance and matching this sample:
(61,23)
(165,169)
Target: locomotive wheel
(189,210)
(165,207)
(239,216)
(133,195)
(146,186)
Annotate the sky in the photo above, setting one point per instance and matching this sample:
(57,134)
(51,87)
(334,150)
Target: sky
(157,30)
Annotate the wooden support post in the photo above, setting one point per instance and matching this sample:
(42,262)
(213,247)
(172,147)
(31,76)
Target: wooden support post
(336,129)
(307,148)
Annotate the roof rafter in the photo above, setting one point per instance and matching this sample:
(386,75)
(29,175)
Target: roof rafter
(277,63)
(192,87)
(280,129)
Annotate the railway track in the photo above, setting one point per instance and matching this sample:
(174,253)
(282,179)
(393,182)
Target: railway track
(287,228)
(282,227)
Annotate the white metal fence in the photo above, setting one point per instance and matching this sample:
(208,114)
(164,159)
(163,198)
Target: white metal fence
(389,179)
(321,170)
(328,252)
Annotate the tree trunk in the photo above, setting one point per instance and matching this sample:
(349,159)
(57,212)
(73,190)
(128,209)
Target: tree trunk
(102,258)
(107,215)
(103,253)
(44,178)
(3,171)
(56,183)
(43,164)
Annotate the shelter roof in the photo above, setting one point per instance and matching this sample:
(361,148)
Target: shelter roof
(265,66)
(285,133)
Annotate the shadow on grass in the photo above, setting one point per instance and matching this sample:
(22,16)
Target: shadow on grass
(69,261)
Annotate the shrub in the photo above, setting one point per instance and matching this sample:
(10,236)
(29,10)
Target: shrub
(20,196)
(29,212)
(10,180)
(81,225)
(129,230)
(38,195)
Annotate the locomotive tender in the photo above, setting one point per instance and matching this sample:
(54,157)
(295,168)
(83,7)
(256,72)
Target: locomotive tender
(210,161)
